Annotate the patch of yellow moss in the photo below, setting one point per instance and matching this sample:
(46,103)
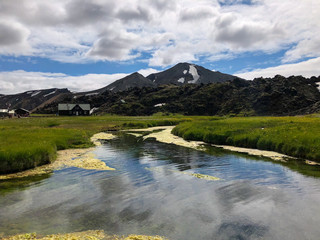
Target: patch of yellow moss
(87,235)
(165,136)
(203,176)
(256,152)
(143,237)
(87,161)
(197,175)
(101,136)
(151,129)
(312,163)
(135,134)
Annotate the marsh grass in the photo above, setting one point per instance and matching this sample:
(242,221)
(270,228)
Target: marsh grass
(29,142)
(294,136)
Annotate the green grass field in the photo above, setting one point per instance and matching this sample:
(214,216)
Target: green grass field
(29,142)
(294,136)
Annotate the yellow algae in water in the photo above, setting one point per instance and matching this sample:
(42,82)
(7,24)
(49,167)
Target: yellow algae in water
(101,136)
(166,136)
(135,134)
(206,177)
(87,235)
(143,237)
(197,175)
(94,235)
(28,173)
(311,163)
(88,161)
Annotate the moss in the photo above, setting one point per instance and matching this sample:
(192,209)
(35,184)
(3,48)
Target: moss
(87,235)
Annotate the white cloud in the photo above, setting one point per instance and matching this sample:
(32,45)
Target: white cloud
(13,38)
(305,48)
(171,31)
(147,72)
(307,68)
(21,81)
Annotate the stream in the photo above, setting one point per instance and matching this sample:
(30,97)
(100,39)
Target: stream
(156,190)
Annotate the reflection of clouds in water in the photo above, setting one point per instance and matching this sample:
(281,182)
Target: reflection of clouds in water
(44,208)
(240,230)
(255,200)
(171,203)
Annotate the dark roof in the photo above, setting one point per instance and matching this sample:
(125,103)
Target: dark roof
(25,110)
(70,106)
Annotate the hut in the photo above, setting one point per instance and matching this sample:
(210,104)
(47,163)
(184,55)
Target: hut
(21,112)
(70,109)
(4,113)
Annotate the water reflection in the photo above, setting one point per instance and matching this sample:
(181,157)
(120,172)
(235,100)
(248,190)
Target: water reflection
(253,200)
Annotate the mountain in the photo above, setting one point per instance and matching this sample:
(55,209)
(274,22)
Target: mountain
(131,81)
(263,96)
(33,99)
(184,73)
(276,96)
(181,74)
(135,80)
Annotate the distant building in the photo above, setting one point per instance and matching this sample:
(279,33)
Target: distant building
(21,112)
(68,109)
(4,112)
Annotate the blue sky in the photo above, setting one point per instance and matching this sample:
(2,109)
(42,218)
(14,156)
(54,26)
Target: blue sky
(88,44)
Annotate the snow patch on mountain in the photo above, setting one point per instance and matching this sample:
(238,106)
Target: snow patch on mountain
(160,105)
(181,80)
(193,71)
(185,72)
(50,93)
(35,94)
(91,94)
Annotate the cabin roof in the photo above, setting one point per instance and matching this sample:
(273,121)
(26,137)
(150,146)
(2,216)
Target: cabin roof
(70,106)
(25,110)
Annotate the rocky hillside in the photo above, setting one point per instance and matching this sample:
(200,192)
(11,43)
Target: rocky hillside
(33,99)
(263,96)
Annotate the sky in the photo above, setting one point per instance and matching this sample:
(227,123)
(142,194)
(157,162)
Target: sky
(87,44)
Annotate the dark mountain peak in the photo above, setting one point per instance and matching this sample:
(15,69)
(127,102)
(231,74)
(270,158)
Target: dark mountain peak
(133,76)
(131,81)
(184,73)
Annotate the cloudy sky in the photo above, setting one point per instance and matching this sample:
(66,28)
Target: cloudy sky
(87,44)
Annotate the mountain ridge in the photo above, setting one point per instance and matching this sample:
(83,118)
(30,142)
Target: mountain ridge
(200,92)
(34,99)
(184,73)
(276,96)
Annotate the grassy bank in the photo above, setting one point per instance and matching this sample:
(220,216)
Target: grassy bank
(26,143)
(29,142)
(293,136)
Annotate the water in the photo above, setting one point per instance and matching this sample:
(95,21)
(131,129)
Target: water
(149,194)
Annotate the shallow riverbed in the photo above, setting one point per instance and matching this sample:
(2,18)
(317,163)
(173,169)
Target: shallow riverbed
(167,190)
